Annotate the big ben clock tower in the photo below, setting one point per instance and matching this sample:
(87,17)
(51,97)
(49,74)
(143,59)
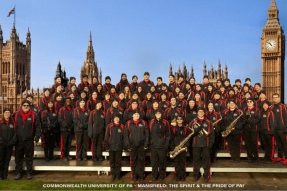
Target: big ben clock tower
(273,54)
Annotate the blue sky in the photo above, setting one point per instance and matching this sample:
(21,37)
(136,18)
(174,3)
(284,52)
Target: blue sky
(134,36)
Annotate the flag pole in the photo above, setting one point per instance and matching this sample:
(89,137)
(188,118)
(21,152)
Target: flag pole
(14,16)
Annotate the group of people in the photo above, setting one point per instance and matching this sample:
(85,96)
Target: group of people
(141,116)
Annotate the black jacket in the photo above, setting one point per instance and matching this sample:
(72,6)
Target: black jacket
(96,123)
(229,116)
(114,137)
(280,114)
(202,139)
(266,125)
(159,134)
(27,130)
(80,119)
(136,135)
(251,119)
(65,118)
(7,134)
(178,135)
(49,122)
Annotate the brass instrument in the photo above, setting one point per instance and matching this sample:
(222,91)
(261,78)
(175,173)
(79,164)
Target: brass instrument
(181,148)
(217,121)
(204,132)
(231,126)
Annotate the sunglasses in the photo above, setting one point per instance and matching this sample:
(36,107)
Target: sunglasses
(25,105)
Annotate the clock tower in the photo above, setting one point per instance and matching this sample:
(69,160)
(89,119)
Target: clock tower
(273,54)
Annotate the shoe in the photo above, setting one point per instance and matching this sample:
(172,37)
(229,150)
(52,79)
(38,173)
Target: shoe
(66,159)
(29,176)
(141,179)
(154,178)
(277,159)
(113,178)
(70,158)
(18,177)
(161,178)
(85,159)
(206,179)
(101,158)
(47,159)
(118,177)
(196,178)
(135,178)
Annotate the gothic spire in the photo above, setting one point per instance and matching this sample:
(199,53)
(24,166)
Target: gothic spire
(273,10)
(90,51)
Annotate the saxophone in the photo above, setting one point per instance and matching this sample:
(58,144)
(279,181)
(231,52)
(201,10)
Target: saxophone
(231,126)
(181,148)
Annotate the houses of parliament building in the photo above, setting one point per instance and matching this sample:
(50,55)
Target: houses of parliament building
(15,64)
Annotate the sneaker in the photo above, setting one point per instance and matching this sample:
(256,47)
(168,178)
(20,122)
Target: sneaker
(18,177)
(101,158)
(29,176)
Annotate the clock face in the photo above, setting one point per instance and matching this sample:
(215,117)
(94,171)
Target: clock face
(271,44)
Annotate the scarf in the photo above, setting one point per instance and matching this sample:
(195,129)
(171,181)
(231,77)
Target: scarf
(25,116)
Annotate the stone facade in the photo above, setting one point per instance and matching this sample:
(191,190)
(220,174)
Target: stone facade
(273,54)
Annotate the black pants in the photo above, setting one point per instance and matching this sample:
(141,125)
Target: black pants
(233,141)
(66,140)
(82,142)
(49,144)
(180,164)
(267,140)
(158,163)
(24,149)
(250,137)
(280,138)
(137,158)
(115,163)
(201,157)
(216,146)
(5,157)
(97,143)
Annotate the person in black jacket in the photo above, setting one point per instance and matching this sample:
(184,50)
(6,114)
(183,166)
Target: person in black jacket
(280,128)
(81,119)
(251,119)
(267,131)
(7,140)
(233,139)
(136,138)
(49,128)
(114,141)
(65,118)
(27,129)
(202,144)
(96,131)
(159,144)
(179,133)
